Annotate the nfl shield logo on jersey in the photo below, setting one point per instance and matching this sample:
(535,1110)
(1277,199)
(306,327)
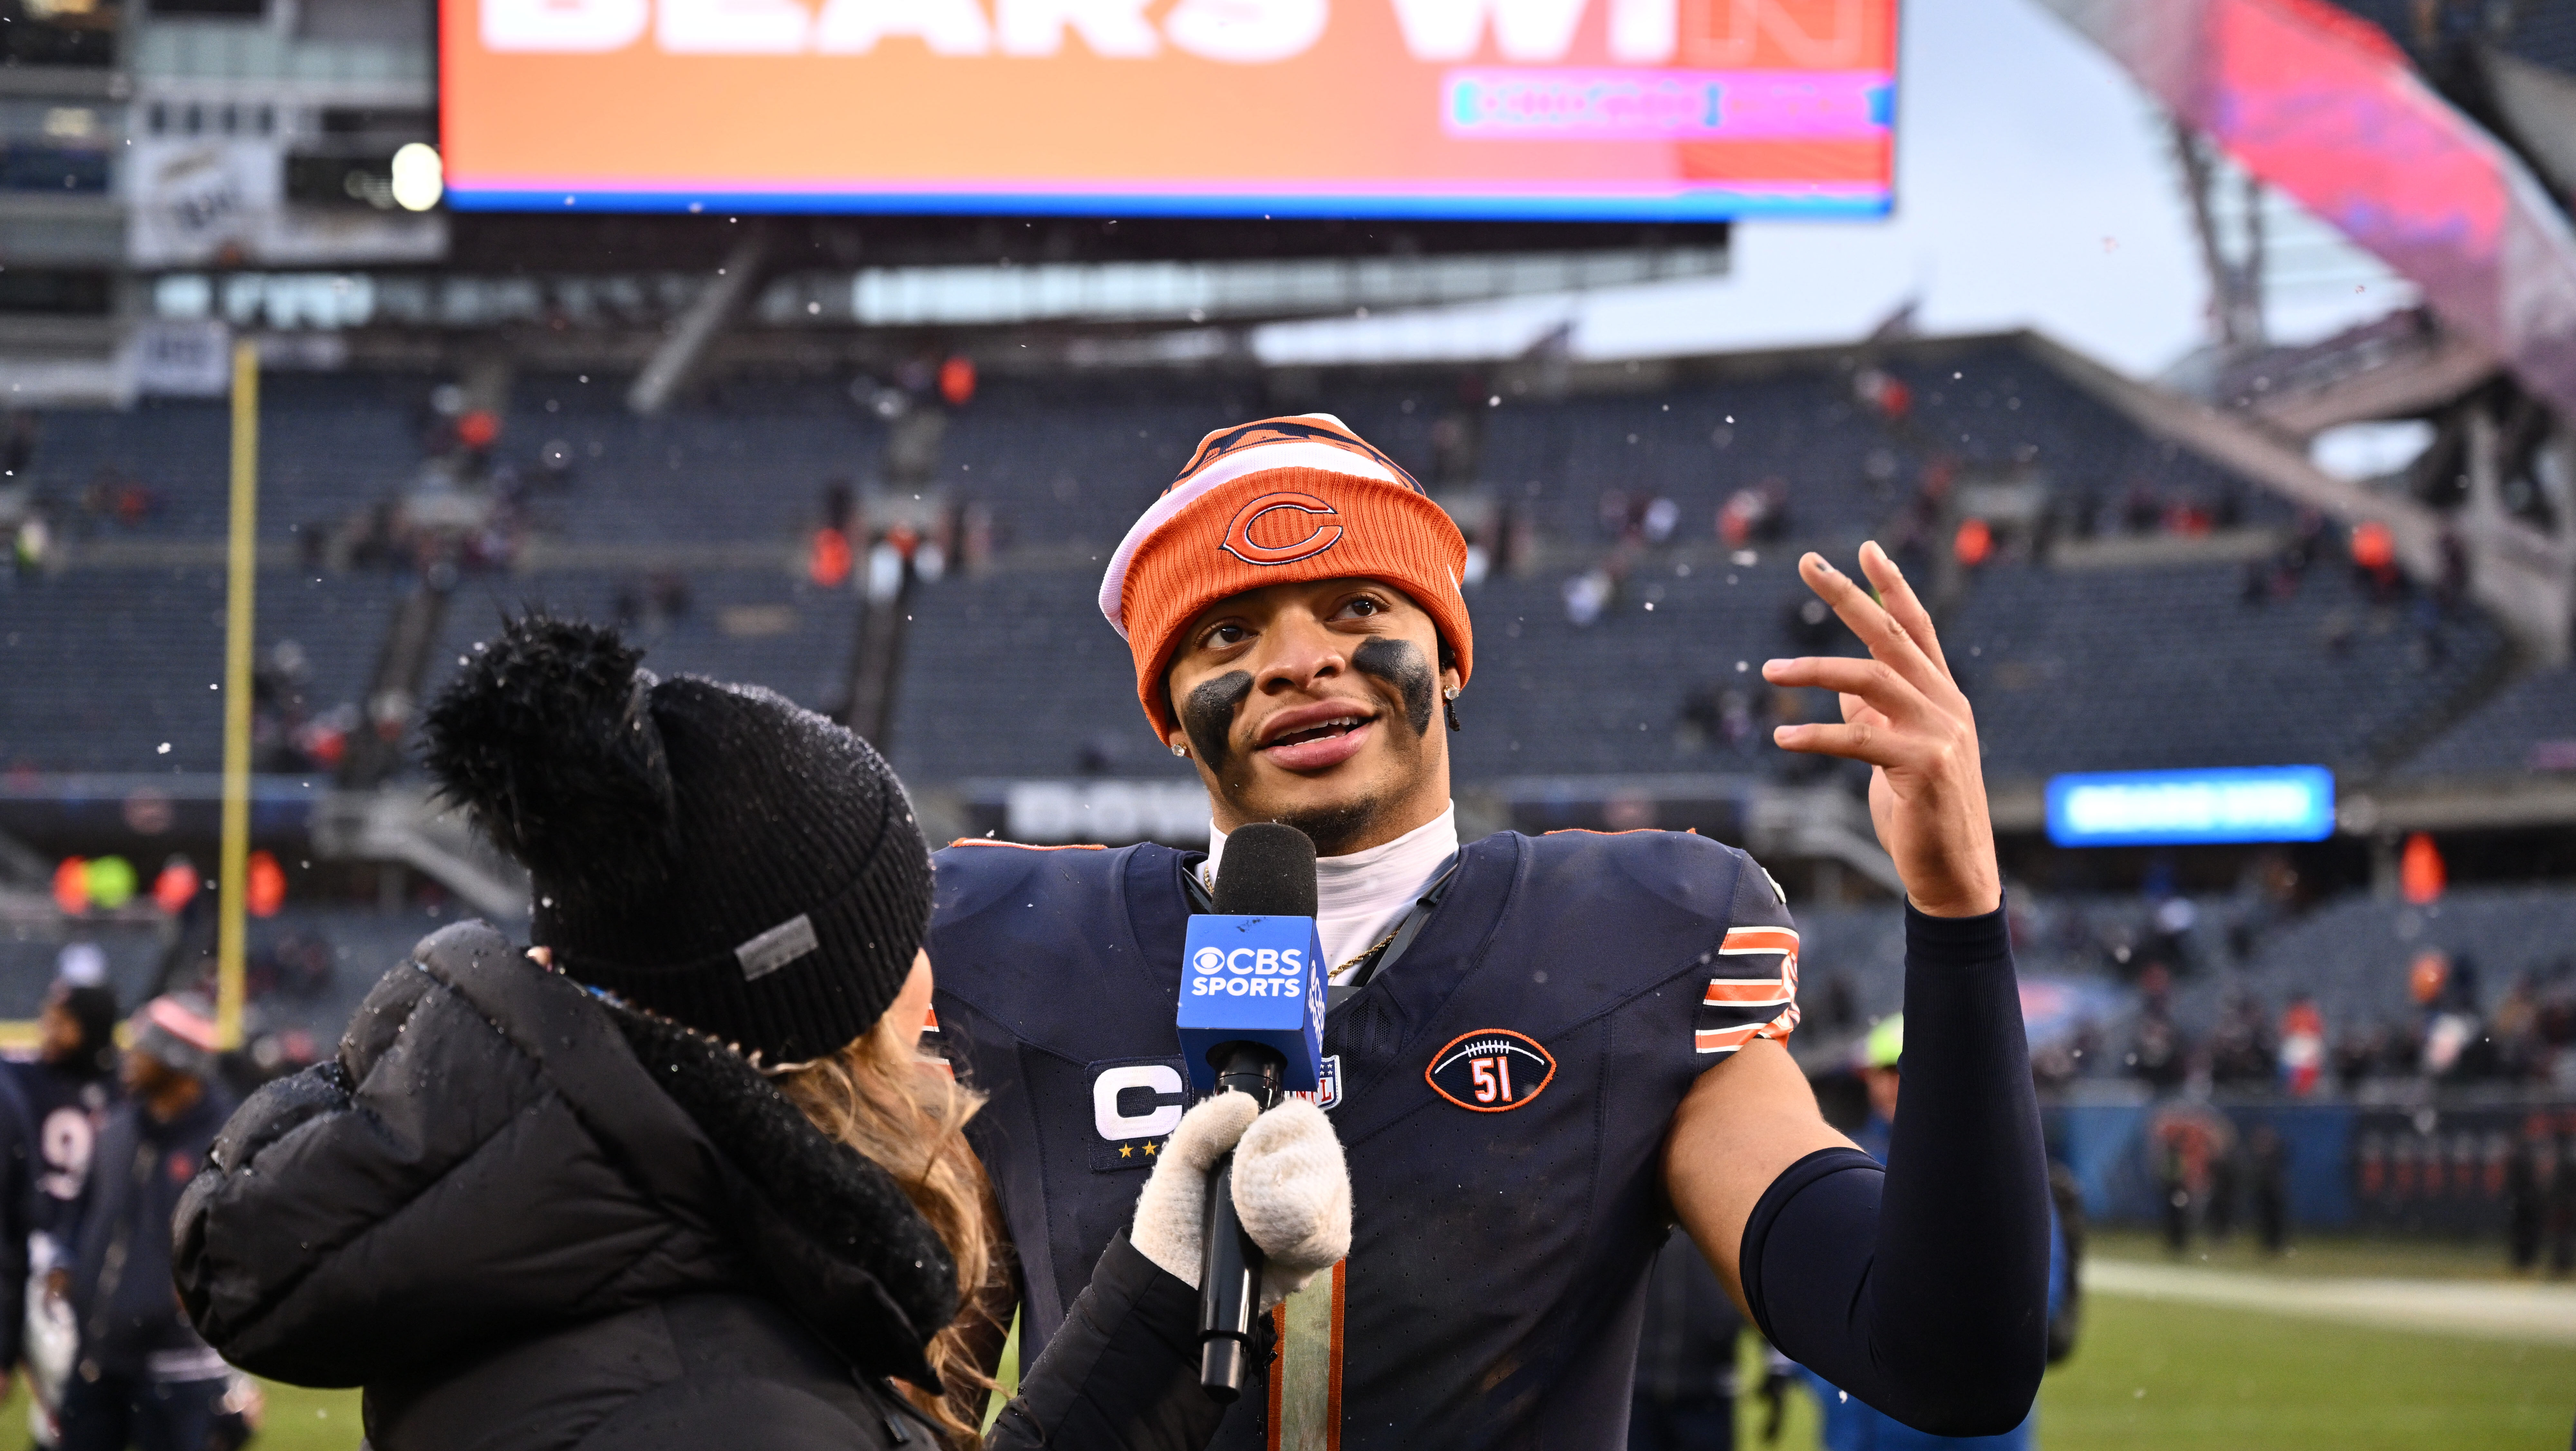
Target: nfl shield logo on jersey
(1328,1085)
(1491,1070)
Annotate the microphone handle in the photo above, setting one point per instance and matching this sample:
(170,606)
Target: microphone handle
(1230,1263)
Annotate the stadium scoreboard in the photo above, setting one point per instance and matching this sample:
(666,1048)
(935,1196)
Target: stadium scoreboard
(1520,110)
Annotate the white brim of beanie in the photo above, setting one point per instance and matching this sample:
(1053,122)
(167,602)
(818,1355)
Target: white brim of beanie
(1260,458)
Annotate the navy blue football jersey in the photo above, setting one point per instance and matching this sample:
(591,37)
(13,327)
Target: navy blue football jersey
(1502,1091)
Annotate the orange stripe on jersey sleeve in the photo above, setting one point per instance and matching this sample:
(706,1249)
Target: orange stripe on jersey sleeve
(1760,939)
(1746,992)
(1726,1040)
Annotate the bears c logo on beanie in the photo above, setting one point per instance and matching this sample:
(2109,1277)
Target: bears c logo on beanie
(1238,535)
(1279,501)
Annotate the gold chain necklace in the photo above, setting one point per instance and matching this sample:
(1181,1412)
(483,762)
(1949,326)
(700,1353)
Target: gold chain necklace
(1365,956)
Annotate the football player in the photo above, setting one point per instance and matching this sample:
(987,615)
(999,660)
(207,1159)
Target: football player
(1543,1050)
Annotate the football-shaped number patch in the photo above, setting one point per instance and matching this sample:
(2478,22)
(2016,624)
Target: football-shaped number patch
(1490,1070)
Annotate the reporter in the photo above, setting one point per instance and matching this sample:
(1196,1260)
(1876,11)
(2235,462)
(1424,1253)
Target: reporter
(681,1171)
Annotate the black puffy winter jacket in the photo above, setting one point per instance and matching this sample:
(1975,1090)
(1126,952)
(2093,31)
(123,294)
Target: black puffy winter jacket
(521,1218)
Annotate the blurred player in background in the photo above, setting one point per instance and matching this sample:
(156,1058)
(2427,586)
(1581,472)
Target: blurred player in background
(67,1091)
(1686,1356)
(143,1377)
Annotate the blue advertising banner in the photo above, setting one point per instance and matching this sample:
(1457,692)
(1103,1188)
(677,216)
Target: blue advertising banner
(2174,808)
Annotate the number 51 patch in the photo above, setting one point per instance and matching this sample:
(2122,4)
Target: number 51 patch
(1490,1070)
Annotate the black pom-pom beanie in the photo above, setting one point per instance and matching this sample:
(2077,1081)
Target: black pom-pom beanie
(711,853)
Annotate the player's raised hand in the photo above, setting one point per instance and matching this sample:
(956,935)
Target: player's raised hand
(1904,715)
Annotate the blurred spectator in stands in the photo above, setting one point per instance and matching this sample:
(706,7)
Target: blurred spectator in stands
(2241,1051)
(2528,1169)
(2358,1055)
(278,708)
(1726,716)
(32,546)
(2303,1046)
(2169,929)
(957,380)
(477,429)
(1589,595)
(1686,1356)
(2140,509)
(2374,559)
(2513,1030)
(297,965)
(2421,873)
(1973,544)
(2188,517)
(1758,515)
(1656,524)
(2456,1044)
(2278,577)
(830,556)
(2268,1160)
(2157,1053)
(117,498)
(143,1376)
(653,604)
(2451,586)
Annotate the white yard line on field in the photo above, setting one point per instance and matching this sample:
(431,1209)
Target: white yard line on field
(2502,1311)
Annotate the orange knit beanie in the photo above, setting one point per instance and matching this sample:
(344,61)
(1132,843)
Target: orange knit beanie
(1280,501)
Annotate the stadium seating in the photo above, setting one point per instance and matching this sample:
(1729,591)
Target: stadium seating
(2530,725)
(2073,669)
(2353,954)
(769,627)
(364,945)
(105,665)
(2153,668)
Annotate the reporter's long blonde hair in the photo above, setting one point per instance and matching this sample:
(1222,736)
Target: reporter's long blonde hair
(880,1097)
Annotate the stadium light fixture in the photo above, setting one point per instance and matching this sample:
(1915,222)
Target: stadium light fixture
(420,178)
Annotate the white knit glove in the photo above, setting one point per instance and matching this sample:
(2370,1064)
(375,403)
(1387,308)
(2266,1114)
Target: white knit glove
(1291,1190)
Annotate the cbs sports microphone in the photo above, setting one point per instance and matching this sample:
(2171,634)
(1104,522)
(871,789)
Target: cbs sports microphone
(1252,1021)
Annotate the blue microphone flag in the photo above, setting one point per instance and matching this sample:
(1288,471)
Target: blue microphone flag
(1253,980)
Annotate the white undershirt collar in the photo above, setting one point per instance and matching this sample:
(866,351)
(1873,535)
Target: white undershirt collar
(1361,897)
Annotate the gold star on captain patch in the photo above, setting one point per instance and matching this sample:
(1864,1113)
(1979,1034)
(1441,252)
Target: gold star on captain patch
(1126,1150)
(1149,1150)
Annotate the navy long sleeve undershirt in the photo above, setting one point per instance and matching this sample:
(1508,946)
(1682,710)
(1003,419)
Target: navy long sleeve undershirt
(1922,1288)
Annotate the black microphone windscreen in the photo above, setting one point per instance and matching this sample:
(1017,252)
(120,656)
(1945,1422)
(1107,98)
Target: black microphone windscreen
(1268,870)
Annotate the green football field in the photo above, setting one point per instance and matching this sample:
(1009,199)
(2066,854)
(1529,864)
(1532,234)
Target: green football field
(2148,1375)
